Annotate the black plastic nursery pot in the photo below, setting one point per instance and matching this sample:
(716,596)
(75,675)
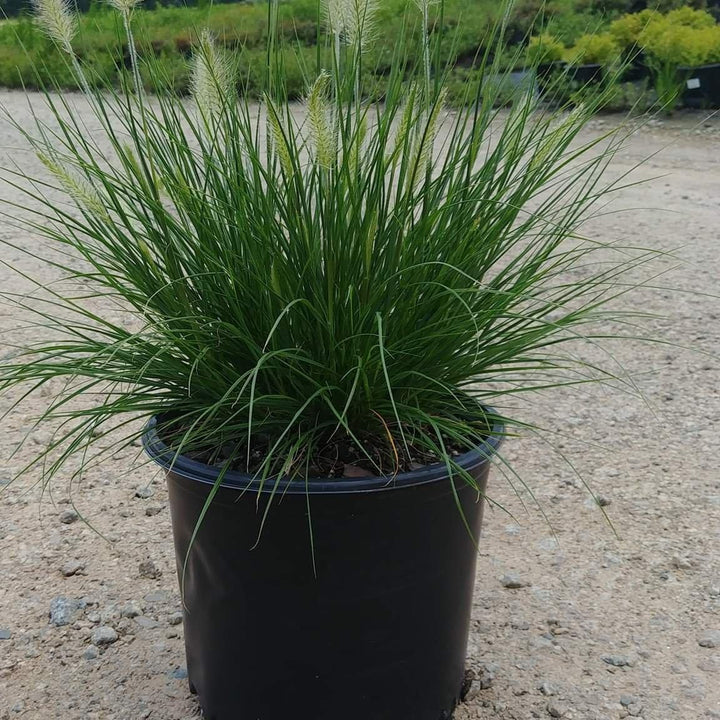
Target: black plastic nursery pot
(702,86)
(547,75)
(590,74)
(368,621)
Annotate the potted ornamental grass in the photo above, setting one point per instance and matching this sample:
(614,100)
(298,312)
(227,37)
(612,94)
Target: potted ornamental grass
(313,316)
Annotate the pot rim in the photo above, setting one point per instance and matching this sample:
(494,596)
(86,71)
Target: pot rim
(185,467)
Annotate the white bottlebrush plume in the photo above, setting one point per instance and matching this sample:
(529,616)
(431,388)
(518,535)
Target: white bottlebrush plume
(425,141)
(424,5)
(360,24)
(79,189)
(212,81)
(323,138)
(124,6)
(58,20)
(404,129)
(336,15)
(278,137)
(353,20)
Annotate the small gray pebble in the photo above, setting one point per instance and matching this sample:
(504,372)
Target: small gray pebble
(5,634)
(109,613)
(91,653)
(513,582)
(175,619)
(151,510)
(157,597)
(146,622)
(695,693)
(72,567)
(180,673)
(710,665)
(626,700)
(682,563)
(486,680)
(148,569)
(68,517)
(555,710)
(616,660)
(520,625)
(104,635)
(131,610)
(711,639)
(18,707)
(547,689)
(144,492)
(65,610)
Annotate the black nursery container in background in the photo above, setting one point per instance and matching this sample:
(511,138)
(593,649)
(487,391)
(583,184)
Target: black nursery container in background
(367,619)
(702,86)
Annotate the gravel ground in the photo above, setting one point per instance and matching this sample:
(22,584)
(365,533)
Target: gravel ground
(588,623)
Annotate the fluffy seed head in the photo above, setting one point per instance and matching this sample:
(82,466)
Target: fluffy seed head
(354,20)
(124,6)
(425,141)
(79,189)
(336,15)
(279,139)
(58,21)
(361,22)
(212,80)
(319,118)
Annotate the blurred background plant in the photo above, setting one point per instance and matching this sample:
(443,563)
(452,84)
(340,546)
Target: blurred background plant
(681,39)
(659,39)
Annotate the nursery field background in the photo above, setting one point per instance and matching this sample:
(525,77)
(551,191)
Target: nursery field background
(571,619)
(601,33)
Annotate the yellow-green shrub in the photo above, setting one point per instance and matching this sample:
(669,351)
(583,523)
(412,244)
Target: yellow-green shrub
(627,29)
(600,48)
(690,17)
(544,48)
(676,45)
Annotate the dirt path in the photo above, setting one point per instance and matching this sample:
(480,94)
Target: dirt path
(603,627)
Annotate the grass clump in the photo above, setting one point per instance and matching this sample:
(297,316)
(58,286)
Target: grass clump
(298,280)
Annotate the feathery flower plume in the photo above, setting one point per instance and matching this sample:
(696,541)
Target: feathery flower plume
(212,79)
(319,118)
(79,189)
(550,140)
(356,147)
(278,137)
(58,21)
(124,6)
(402,138)
(360,23)
(426,139)
(336,15)
(424,5)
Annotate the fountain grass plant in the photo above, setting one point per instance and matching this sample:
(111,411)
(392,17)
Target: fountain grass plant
(339,287)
